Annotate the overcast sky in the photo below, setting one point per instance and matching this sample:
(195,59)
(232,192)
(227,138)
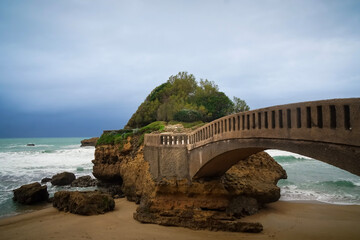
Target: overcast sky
(77,67)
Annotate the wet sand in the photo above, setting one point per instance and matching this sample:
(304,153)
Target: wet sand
(281,220)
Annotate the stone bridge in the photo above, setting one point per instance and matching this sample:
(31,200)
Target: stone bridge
(327,130)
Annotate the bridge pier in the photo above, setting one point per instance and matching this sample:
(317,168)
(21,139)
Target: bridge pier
(168,162)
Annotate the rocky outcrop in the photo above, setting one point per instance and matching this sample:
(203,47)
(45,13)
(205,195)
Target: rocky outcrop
(215,204)
(45,180)
(84,181)
(89,142)
(64,178)
(124,165)
(83,203)
(31,193)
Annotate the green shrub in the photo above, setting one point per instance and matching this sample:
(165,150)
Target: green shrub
(114,137)
(141,139)
(153,127)
(187,115)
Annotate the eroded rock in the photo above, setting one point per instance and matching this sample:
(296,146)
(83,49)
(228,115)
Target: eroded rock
(31,193)
(83,203)
(84,181)
(64,178)
(89,142)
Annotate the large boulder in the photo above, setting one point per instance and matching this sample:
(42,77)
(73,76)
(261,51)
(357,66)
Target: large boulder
(89,142)
(84,181)
(83,203)
(61,179)
(31,193)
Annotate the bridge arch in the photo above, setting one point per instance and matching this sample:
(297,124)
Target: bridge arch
(215,158)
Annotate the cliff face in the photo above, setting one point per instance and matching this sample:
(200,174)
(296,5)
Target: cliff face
(124,165)
(215,204)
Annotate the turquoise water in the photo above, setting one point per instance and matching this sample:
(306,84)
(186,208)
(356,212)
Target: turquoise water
(308,179)
(21,164)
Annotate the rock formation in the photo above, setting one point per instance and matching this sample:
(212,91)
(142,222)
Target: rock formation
(83,203)
(215,204)
(31,193)
(45,180)
(84,181)
(64,178)
(89,142)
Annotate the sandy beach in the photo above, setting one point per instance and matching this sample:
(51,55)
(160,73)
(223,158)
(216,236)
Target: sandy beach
(281,220)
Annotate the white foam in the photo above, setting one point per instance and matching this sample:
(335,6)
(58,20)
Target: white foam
(36,163)
(276,153)
(293,193)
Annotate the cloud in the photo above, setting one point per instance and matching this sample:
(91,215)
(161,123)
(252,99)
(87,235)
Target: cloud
(74,55)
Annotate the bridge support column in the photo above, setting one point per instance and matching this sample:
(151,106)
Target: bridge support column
(167,162)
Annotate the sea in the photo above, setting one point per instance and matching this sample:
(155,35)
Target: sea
(308,179)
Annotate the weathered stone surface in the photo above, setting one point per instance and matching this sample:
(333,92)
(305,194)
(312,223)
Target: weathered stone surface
(117,166)
(83,203)
(84,181)
(218,203)
(114,190)
(61,179)
(31,193)
(89,142)
(192,221)
(45,180)
(107,164)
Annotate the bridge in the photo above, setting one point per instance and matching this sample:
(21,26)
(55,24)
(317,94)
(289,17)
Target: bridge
(327,130)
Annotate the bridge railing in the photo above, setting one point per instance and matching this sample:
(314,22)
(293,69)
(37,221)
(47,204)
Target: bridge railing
(166,139)
(335,121)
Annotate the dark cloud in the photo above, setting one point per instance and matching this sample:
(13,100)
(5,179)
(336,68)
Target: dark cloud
(72,62)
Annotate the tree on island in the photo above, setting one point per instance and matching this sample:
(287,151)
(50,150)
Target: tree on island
(182,98)
(240,105)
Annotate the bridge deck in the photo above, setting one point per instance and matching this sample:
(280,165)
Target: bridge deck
(332,122)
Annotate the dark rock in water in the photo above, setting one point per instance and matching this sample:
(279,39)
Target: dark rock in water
(89,142)
(45,180)
(31,193)
(30,145)
(83,203)
(61,179)
(84,181)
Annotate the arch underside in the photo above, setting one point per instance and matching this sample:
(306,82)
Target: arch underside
(214,159)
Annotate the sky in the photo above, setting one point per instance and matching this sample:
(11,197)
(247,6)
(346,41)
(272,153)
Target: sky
(73,68)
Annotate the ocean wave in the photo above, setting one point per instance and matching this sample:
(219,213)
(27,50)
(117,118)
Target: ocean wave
(339,183)
(328,191)
(39,145)
(48,151)
(294,193)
